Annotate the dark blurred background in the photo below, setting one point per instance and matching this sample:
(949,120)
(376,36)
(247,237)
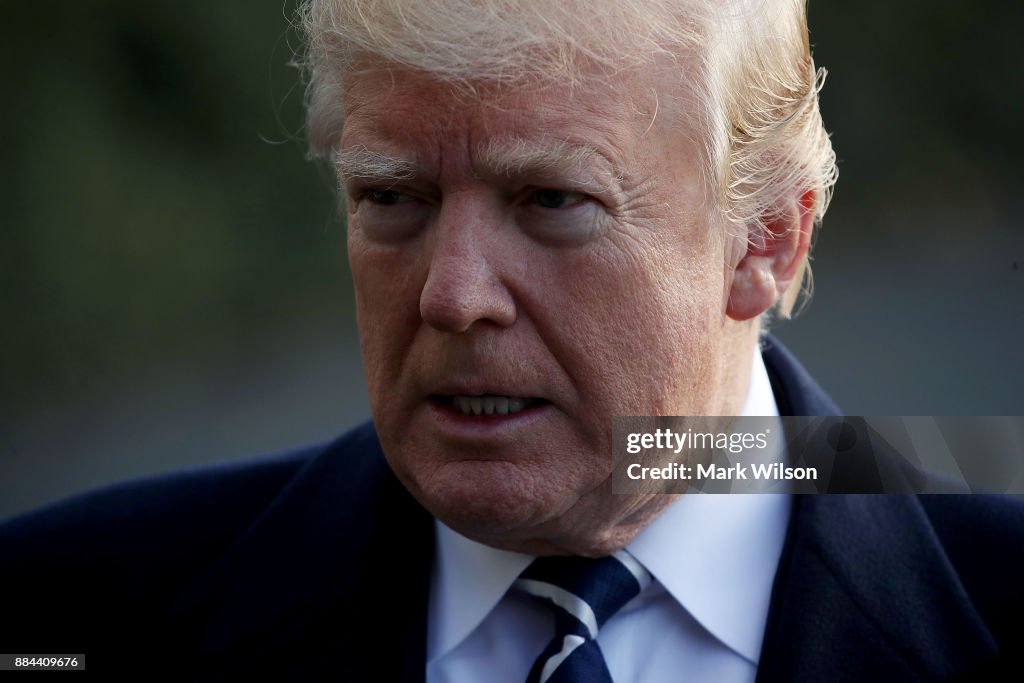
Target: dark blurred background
(174,285)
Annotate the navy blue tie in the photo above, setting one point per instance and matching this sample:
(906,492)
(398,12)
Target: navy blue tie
(583,593)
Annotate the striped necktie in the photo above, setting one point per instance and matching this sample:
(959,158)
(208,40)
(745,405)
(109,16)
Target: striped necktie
(583,593)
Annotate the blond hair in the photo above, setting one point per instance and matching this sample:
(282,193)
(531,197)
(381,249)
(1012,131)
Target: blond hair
(765,140)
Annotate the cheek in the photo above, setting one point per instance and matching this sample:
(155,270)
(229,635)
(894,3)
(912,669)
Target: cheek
(387,308)
(644,331)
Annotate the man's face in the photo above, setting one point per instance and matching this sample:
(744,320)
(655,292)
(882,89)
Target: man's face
(528,265)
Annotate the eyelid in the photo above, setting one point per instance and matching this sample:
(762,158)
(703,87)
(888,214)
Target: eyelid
(528,195)
(358,191)
(573,198)
(360,186)
(402,196)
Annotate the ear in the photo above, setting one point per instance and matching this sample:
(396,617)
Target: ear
(775,258)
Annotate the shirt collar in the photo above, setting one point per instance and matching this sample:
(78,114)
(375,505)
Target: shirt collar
(468,580)
(715,554)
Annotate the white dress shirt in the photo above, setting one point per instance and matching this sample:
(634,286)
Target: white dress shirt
(713,558)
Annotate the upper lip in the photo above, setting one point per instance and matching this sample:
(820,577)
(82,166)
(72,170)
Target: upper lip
(469,371)
(481,388)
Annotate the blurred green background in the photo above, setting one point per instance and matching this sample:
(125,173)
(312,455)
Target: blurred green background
(174,287)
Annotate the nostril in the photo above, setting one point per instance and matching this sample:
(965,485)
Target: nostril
(447,313)
(457,314)
(460,290)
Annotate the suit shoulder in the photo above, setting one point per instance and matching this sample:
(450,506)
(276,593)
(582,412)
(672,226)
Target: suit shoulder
(156,505)
(106,567)
(183,517)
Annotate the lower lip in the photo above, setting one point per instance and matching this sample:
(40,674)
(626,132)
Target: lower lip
(455,423)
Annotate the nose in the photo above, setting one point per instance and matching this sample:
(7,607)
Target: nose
(463,284)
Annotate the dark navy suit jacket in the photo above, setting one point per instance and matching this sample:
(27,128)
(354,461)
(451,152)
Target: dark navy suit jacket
(301,565)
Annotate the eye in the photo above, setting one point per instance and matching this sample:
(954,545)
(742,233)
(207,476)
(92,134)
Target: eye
(387,215)
(386,197)
(560,217)
(557,199)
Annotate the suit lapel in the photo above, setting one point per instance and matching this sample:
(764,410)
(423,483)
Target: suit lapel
(340,562)
(864,589)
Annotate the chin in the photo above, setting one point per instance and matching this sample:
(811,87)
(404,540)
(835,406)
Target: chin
(496,503)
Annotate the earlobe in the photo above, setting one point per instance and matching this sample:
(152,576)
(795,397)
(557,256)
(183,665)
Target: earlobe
(776,252)
(753,288)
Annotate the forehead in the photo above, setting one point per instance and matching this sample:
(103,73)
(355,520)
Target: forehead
(407,107)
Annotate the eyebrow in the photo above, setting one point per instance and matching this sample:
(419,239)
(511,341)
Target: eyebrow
(516,156)
(502,156)
(512,157)
(360,162)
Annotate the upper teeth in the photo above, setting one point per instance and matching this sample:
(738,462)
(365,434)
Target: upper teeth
(488,405)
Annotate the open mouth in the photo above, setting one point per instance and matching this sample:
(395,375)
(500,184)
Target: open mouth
(486,404)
